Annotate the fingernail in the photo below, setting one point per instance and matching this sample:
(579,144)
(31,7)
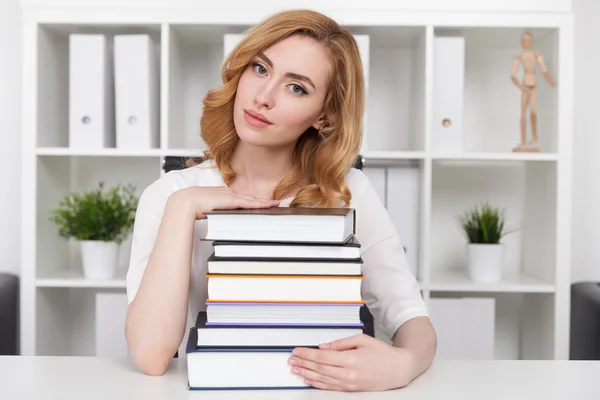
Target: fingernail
(295,370)
(324,345)
(296,352)
(292,361)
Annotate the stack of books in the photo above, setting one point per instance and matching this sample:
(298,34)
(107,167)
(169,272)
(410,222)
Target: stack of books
(278,278)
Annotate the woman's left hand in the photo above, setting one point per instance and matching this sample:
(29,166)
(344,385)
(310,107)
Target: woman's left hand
(357,363)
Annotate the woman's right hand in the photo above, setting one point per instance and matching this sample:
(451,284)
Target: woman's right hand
(200,199)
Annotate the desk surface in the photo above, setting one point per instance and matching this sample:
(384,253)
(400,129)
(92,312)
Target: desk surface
(74,378)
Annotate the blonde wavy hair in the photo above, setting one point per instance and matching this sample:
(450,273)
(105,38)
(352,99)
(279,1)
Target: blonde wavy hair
(321,158)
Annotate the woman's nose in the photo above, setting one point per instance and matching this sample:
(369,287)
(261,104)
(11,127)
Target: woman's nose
(265,96)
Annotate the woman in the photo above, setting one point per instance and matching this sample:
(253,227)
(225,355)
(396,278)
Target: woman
(282,130)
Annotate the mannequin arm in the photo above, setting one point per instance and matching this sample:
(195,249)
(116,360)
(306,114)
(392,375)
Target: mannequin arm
(513,73)
(544,69)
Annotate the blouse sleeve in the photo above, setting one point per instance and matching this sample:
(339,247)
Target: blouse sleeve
(389,289)
(148,218)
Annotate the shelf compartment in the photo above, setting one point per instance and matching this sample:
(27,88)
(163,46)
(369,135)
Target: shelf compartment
(395,101)
(521,324)
(59,176)
(196,54)
(492,103)
(66,321)
(527,193)
(53,73)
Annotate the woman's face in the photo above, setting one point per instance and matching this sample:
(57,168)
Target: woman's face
(282,92)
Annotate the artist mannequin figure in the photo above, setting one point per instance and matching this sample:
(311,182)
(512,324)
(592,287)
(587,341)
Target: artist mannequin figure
(528,57)
(283,130)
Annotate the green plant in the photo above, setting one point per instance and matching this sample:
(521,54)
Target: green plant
(97,214)
(484,224)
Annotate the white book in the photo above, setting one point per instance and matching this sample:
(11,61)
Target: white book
(212,368)
(136,92)
(91,103)
(282,224)
(288,288)
(243,334)
(322,314)
(282,251)
(280,336)
(265,266)
(448,94)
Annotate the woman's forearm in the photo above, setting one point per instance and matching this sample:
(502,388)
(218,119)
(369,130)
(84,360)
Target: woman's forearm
(156,317)
(418,336)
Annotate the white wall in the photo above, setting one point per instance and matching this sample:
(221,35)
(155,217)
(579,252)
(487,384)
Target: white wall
(10,135)
(586,143)
(586,146)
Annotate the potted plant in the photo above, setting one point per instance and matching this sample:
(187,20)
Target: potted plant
(484,227)
(100,220)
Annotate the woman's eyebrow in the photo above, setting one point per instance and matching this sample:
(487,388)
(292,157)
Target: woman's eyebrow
(290,74)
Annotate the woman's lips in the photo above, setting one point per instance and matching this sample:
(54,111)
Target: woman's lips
(254,120)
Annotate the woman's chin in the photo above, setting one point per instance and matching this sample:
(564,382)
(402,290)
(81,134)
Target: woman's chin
(256,139)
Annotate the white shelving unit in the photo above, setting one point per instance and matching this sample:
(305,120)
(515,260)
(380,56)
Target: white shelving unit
(532,300)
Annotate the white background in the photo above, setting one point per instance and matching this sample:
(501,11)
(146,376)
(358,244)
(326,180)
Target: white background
(586,143)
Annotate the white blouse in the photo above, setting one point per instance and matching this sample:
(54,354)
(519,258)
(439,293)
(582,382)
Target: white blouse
(389,289)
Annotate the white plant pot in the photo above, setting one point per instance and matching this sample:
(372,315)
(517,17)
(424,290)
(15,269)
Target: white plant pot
(485,262)
(99,259)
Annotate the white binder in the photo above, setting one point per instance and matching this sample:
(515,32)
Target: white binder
(363,43)
(111,312)
(230,40)
(465,327)
(448,94)
(136,92)
(403,202)
(91,104)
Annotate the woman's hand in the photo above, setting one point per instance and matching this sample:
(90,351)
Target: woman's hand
(357,363)
(200,199)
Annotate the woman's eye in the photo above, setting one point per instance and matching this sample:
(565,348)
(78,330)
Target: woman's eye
(259,68)
(297,89)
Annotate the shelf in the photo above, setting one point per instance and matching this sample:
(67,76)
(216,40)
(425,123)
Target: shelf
(424,187)
(114,152)
(183,152)
(107,152)
(379,156)
(458,281)
(496,157)
(75,279)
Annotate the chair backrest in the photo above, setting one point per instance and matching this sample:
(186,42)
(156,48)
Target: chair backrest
(177,162)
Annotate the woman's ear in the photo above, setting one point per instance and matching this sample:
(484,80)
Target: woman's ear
(321,122)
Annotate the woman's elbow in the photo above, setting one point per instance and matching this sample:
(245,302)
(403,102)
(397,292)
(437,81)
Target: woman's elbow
(151,362)
(150,359)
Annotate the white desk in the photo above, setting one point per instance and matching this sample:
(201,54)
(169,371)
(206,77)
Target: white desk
(70,378)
